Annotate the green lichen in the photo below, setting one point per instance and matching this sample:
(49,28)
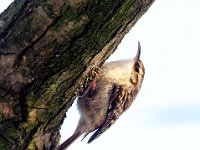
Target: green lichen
(13,133)
(119,18)
(53,87)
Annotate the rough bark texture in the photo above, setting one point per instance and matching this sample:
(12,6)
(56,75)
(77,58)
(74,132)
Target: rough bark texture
(47,51)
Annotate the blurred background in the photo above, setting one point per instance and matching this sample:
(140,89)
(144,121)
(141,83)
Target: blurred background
(166,113)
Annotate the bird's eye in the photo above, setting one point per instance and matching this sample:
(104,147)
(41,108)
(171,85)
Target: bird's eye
(137,70)
(137,67)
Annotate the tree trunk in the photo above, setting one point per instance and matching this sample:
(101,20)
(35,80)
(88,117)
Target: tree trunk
(47,51)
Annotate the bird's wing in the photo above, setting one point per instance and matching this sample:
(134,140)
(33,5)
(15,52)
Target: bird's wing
(119,103)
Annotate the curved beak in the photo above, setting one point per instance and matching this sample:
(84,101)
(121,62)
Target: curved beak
(137,57)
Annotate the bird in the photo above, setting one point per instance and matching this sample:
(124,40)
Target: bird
(111,92)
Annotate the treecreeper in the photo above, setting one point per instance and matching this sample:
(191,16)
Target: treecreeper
(109,94)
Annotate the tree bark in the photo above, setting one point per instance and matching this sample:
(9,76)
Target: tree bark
(47,51)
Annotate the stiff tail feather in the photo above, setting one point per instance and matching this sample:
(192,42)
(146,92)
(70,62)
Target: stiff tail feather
(69,141)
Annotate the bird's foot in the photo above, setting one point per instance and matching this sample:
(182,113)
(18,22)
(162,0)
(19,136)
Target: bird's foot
(95,72)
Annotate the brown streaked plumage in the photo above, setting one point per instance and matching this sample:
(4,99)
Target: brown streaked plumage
(110,94)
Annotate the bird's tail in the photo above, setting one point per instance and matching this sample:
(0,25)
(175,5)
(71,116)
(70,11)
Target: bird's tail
(69,141)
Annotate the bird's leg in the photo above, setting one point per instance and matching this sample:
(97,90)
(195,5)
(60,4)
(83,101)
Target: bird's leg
(92,85)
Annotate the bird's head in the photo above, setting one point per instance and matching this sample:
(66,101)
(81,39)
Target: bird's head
(138,71)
